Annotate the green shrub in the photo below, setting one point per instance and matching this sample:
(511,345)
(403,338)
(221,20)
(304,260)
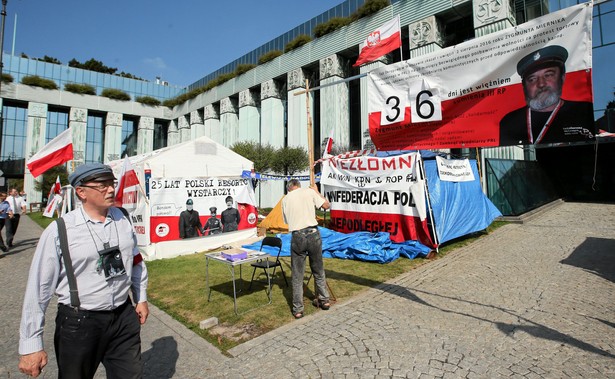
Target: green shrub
(299,41)
(116,94)
(197,91)
(82,89)
(37,81)
(368,8)
(269,56)
(330,26)
(7,78)
(147,100)
(243,68)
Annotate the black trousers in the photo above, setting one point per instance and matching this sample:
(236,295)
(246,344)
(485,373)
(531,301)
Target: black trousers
(11,228)
(84,339)
(2,223)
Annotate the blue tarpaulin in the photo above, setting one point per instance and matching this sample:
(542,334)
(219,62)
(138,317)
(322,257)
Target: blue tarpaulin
(459,208)
(362,246)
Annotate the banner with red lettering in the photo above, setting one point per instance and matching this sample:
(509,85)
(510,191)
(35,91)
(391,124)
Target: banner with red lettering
(524,85)
(378,194)
(222,205)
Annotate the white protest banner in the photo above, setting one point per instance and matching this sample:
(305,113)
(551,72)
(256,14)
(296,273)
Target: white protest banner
(168,197)
(377,194)
(472,94)
(454,170)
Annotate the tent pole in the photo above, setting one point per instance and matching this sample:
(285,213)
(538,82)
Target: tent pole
(433,221)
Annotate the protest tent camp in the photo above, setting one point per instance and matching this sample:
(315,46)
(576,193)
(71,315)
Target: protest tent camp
(202,161)
(456,208)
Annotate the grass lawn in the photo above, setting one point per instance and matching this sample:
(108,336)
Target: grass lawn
(177,286)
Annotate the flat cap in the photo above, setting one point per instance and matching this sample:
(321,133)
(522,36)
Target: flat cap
(228,198)
(213,209)
(546,57)
(90,172)
(189,202)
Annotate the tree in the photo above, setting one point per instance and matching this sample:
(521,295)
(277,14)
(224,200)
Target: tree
(290,160)
(261,155)
(49,179)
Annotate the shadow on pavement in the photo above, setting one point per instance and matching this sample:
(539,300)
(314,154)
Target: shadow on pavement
(160,360)
(595,255)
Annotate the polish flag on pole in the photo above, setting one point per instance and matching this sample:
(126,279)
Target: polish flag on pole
(59,150)
(380,42)
(53,198)
(327,145)
(127,188)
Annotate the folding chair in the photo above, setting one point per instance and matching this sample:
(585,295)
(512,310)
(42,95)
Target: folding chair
(267,264)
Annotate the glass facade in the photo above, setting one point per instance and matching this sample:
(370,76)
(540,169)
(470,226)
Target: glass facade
(14,128)
(161,129)
(129,137)
(57,122)
(94,138)
(19,67)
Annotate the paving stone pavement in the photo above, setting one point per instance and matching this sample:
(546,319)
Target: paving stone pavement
(531,300)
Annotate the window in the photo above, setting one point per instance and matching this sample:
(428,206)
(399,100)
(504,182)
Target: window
(94,139)
(161,130)
(14,126)
(129,137)
(57,122)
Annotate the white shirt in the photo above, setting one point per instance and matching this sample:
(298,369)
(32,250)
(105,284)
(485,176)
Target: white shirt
(299,208)
(48,275)
(18,204)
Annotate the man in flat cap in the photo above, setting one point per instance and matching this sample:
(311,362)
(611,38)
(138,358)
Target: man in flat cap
(230,216)
(190,222)
(213,224)
(96,319)
(547,118)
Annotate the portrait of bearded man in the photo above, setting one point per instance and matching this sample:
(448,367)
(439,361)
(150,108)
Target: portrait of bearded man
(547,118)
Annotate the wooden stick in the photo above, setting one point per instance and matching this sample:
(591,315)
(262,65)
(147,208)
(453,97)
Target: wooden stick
(310,135)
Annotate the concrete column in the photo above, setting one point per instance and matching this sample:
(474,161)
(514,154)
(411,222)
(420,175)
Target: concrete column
(229,121)
(249,116)
(78,121)
(183,125)
(492,16)
(297,110)
(212,122)
(272,132)
(197,126)
(113,137)
(145,135)
(334,105)
(173,134)
(425,36)
(36,132)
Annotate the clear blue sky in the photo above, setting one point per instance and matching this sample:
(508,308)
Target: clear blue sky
(181,40)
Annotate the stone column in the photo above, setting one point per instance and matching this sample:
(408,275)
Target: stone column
(36,132)
(249,116)
(113,137)
(212,122)
(334,106)
(272,132)
(78,121)
(492,16)
(197,126)
(183,125)
(173,134)
(366,139)
(145,135)
(297,109)
(229,121)
(425,36)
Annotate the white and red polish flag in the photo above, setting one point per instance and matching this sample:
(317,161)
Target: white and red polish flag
(380,42)
(327,145)
(127,188)
(59,150)
(53,198)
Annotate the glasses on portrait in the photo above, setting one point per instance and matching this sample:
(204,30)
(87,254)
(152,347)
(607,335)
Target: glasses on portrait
(102,186)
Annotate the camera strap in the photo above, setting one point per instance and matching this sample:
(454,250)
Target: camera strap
(68,264)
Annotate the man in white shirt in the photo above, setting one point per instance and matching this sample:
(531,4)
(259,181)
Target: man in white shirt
(18,206)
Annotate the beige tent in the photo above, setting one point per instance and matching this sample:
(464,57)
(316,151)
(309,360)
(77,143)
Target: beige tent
(274,222)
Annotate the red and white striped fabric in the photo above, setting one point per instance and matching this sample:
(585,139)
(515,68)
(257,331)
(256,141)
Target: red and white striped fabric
(380,42)
(59,150)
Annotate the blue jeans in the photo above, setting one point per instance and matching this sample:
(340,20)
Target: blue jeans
(307,242)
